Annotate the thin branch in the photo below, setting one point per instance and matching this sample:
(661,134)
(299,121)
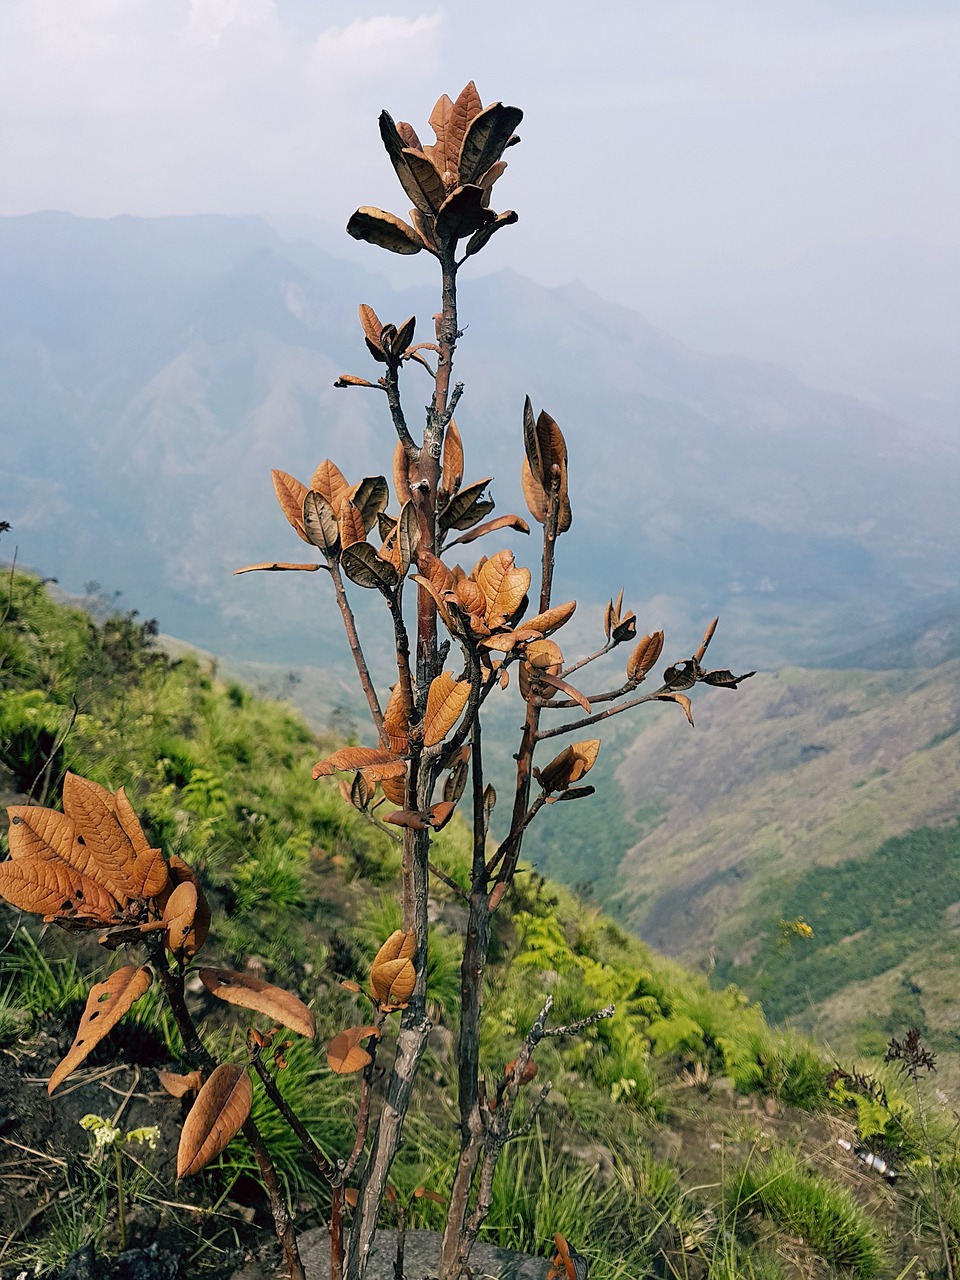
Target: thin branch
(511,844)
(568,671)
(325,1166)
(353,639)
(608,696)
(602,715)
(449,882)
(391,384)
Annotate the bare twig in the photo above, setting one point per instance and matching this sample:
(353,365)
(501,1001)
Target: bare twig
(601,715)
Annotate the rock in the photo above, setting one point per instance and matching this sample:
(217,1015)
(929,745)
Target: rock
(421,1255)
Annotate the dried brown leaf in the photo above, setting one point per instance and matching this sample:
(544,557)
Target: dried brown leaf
(370,497)
(467,507)
(363,566)
(320,523)
(486,139)
(331,484)
(93,811)
(505,585)
(372,328)
(480,238)
(681,700)
(384,229)
(290,494)
(221,1108)
(407,818)
(644,656)
(52,889)
(351,524)
(375,763)
(553,619)
(106,1004)
(708,636)
(395,789)
(561,686)
(452,471)
(150,870)
(407,537)
(462,213)
(178,1086)
(446,699)
(569,766)
(396,719)
(182,873)
(344,1054)
(179,915)
(401,473)
(262,997)
(278,566)
(441,813)
(501,522)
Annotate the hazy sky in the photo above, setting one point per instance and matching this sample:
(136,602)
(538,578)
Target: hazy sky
(671,131)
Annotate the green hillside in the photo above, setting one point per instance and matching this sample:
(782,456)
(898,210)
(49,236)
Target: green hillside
(657,1145)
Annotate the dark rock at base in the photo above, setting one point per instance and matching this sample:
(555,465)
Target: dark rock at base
(421,1255)
(151,1263)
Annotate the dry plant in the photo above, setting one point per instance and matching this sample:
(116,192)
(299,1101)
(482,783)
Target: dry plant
(92,867)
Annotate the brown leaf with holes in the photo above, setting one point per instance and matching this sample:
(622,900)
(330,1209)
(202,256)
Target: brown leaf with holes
(262,997)
(553,619)
(277,566)
(93,811)
(644,656)
(320,523)
(452,471)
(573,763)
(179,916)
(42,833)
(384,229)
(182,873)
(375,763)
(344,1052)
(441,813)
(504,584)
(106,1004)
(50,888)
(219,1113)
(331,484)
(290,494)
(362,565)
(178,1086)
(446,699)
(407,818)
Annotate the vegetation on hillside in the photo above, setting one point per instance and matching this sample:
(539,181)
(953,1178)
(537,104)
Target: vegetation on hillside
(223,780)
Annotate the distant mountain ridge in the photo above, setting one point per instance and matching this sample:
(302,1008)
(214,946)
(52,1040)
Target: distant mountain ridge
(153,371)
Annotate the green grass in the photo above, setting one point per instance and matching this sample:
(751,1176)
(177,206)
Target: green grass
(809,1205)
